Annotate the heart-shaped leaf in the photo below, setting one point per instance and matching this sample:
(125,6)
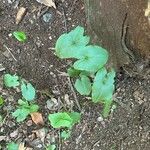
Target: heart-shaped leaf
(69,44)
(103,86)
(91,58)
(83,86)
(59,120)
(28,91)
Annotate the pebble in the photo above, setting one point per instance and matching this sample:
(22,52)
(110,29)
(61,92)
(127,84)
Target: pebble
(14,134)
(47,17)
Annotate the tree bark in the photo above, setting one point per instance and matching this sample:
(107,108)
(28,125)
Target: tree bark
(123,28)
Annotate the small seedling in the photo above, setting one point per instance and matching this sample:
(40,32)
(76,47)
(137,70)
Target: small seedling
(89,67)
(1,100)
(28,91)
(65,134)
(20,36)
(24,109)
(12,146)
(11,80)
(64,119)
(51,147)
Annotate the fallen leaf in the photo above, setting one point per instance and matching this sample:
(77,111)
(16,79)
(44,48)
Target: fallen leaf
(48,3)
(21,146)
(37,118)
(20,14)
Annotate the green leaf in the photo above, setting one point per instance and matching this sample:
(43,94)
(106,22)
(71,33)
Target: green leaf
(65,134)
(11,80)
(1,101)
(12,146)
(20,36)
(103,86)
(75,117)
(73,72)
(51,147)
(83,86)
(91,58)
(21,114)
(34,108)
(69,44)
(59,120)
(28,91)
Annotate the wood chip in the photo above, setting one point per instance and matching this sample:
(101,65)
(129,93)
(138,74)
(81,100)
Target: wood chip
(48,3)
(20,14)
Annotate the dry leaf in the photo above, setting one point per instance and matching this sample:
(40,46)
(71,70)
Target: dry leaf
(20,14)
(48,3)
(37,118)
(21,146)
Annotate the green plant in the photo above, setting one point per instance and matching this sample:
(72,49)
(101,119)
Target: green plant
(28,94)
(51,147)
(65,134)
(64,119)
(20,36)
(12,146)
(24,109)
(11,80)
(1,100)
(89,67)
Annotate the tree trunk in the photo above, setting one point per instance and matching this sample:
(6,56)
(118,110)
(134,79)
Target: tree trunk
(123,28)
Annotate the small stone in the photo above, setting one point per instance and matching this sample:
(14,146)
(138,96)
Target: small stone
(47,17)
(29,123)
(14,134)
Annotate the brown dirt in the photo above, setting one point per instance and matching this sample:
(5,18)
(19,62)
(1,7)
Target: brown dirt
(128,126)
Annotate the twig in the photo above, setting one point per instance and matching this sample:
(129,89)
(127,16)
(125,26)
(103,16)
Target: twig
(74,94)
(10,53)
(59,148)
(65,20)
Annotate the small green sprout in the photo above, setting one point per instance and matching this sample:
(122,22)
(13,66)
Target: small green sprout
(20,36)
(1,100)
(65,134)
(64,119)
(12,146)
(28,91)
(51,147)
(11,80)
(24,109)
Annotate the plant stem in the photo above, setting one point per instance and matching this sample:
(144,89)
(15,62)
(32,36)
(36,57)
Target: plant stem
(107,107)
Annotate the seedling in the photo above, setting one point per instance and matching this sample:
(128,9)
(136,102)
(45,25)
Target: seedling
(51,147)
(12,146)
(28,91)
(11,80)
(28,94)
(65,134)
(20,36)
(64,119)
(1,100)
(89,67)
(24,109)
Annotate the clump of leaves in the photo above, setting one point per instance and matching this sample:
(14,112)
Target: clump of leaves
(28,94)
(89,67)
(24,109)
(20,36)
(12,146)
(64,119)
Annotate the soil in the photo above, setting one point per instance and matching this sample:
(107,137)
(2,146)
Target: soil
(127,127)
